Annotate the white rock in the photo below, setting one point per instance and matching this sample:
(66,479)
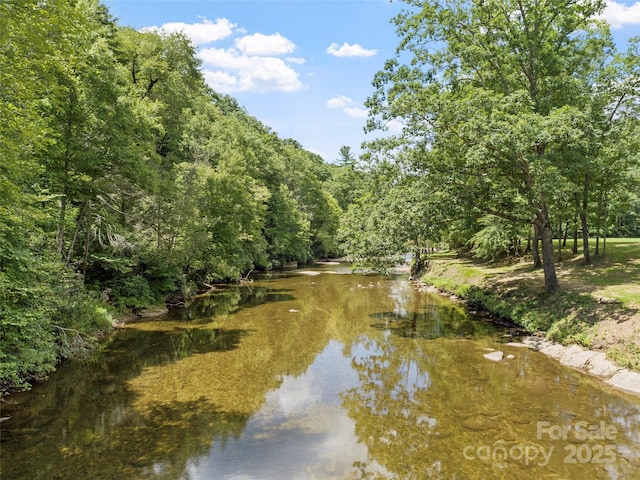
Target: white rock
(521,345)
(494,356)
(626,380)
(553,350)
(576,357)
(601,366)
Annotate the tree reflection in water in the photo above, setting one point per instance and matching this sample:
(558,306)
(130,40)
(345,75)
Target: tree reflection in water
(419,403)
(309,377)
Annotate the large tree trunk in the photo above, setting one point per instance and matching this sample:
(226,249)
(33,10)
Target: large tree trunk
(80,220)
(560,242)
(544,227)
(583,221)
(537,263)
(419,265)
(598,224)
(62,213)
(604,231)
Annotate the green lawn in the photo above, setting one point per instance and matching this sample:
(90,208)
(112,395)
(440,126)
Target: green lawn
(598,305)
(614,275)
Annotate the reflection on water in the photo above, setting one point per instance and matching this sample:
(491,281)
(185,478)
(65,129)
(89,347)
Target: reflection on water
(436,322)
(228,300)
(328,376)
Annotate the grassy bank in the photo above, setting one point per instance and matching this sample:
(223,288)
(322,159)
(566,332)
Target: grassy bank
(598,306)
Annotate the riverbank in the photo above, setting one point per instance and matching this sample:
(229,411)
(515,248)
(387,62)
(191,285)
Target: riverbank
(596,309)
(151,311)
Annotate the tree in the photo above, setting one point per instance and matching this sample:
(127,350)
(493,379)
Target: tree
(39,300)
(493,98)
(344,178)
(396,212)
(125,180)
(346,157)
(303,174)
(618,90)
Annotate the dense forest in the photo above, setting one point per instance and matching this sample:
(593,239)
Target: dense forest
(125,181)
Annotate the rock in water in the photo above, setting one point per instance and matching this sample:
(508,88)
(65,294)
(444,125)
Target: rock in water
(495,356)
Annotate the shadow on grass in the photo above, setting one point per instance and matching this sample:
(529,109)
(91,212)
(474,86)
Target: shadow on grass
(572,312)
(516,292)
(620,267)
(602,275)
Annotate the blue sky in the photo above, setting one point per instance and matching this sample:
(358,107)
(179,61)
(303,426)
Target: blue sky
(302,67)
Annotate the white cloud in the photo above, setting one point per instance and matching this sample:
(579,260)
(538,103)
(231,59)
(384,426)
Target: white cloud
(219,57)
(252,64)
(199,33)
(261,44)
(220,81)
(347,50)
(619,15)
(339,101)
(324,155)
(348,106)
(242,73)
(395,126)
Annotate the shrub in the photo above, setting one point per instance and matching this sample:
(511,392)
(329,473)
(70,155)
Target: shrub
(78,319)
(131,292)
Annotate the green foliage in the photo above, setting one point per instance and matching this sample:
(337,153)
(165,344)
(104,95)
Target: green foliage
(519,111)
(27,275)
(27,350)
(79,316)
(43,320)
(129,292)
(394,214)
(287,230)
(126,181)
(627,356)
(496,238)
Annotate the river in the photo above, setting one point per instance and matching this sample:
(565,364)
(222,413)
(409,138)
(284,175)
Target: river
(319,374)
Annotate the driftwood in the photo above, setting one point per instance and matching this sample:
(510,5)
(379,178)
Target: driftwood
(245,278)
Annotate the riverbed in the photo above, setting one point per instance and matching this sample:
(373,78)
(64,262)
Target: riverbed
(319,374)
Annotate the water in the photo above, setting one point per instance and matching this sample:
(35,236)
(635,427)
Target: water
(319,374)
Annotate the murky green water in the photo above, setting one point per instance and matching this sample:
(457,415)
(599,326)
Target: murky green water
(323,376)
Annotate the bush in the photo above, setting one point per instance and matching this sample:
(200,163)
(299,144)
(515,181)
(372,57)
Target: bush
(42,323)
(27,345)
(78,319)
(27,348)
(131,292)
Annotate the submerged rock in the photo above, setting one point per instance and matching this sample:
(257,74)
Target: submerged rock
(538,387)
(478,424)
(494,356)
